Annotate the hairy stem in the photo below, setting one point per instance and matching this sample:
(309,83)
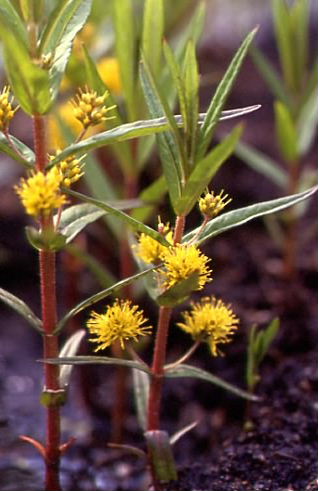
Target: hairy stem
(160,349)
(49,318)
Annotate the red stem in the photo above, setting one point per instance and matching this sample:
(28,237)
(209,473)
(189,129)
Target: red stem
(49,318)
(160,350)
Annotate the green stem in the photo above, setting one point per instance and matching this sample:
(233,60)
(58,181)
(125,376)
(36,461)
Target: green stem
(49,319)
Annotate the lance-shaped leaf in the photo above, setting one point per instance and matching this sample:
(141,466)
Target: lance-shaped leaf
(99,296)
(75,218)
(135,130)
(141,395)
(184,370)
(64,23)
(24,155)
(237,217)
(262,163)
(204,171)
(98,360)
(10,17)
(169,143)
(21,308)
(161,457)
(220,96)
(308,121)
(286,132)
(132,222)
(152,34)
(270,75)
(69,349)
(29,82)
(126,52)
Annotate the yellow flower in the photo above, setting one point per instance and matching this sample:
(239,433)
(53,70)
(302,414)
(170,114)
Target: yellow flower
(121,322)
(89,108)
(40,193)
(212,321)
(181,262)
(108,68)
(150,250)
(71,169)
(211,205)
(6,110)
(65,112)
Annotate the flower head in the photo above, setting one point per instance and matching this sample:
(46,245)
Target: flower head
(181,262)
(71,169)
(212,321)
(121,322)
(212,204)
(40,193)
(6,110)
(150,250)
(89,108)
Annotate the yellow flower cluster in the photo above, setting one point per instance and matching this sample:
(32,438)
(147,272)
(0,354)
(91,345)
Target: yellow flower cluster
(211,205)
(121,322)
(71,170)
(6,110)
(150,250)
(90,109)
(181,262)
(40,193)
(212,321)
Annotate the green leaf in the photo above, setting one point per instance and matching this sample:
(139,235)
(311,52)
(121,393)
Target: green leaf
(97,360)
(204,171)
(169,143)
(152,34)
(21,308)
(132,222)
(237,217)
(45,240)
(99,296)
(184,370)
(64,23)
(308,123)
(262,163)
(135,130)
(220,96)
(126,52)
(160,456)
(11,19)
(268,335)
(75,218)
(70,348)
(29,82)
(24,154)
(141,395)
(191,85)
(286,132)
(299,27)
(270,75)
(178,81)
(179,292)
(283,32)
